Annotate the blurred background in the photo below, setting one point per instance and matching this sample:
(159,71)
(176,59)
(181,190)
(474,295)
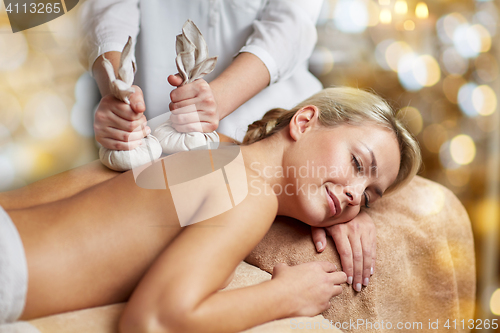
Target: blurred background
(438,60)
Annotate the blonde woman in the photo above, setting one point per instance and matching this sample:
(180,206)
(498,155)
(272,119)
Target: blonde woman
(115,241)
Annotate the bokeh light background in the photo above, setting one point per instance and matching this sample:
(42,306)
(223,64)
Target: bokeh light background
(437,60)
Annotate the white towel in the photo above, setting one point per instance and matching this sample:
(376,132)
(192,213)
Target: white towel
(13,271)
(18,327)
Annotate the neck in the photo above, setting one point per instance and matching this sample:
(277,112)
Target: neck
(264,159)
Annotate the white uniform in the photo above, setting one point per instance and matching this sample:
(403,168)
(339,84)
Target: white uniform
(281,33)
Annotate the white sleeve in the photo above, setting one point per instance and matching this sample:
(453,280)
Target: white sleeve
(105,26)
(285,35)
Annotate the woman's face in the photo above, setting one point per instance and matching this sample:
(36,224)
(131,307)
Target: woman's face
(336,171)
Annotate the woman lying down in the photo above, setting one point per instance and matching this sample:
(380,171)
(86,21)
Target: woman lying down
(116,241)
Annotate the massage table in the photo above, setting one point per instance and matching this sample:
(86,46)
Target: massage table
(424,272)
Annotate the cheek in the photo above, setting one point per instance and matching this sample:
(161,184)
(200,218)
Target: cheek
(341,169)
(348,214)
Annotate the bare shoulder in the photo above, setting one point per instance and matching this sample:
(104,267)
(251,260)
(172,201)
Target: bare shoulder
(234,195)
(230,195)
(207,183)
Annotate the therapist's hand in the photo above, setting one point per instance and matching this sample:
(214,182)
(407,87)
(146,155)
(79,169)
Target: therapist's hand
(193,106)
(356,243)
(120,126)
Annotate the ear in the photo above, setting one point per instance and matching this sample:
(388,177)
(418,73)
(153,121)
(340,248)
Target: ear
(303,120)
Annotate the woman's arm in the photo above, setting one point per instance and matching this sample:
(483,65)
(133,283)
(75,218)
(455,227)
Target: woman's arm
(356,243)
(193,268)
(180,291)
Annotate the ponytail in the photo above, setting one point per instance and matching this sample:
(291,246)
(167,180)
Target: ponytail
(267,126)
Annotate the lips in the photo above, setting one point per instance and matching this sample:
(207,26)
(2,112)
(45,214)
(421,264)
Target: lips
(333,202)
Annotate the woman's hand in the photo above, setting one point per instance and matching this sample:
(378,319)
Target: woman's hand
(193,106)
(313,285)
(118,125)
(356,243)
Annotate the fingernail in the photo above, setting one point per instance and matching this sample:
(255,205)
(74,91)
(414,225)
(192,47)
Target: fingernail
(371,270)
(139,105)
(349,280)
(319,245)
(358,287)
(366,281)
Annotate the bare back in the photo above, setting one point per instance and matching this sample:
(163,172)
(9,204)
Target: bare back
(93,248)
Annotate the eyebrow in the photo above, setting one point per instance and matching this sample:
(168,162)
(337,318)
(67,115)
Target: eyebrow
(373,166)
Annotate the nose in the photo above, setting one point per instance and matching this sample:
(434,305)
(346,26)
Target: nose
(353,197)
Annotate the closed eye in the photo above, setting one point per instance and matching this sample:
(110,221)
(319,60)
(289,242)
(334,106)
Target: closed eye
(356,163)
(367,201)
(359,167)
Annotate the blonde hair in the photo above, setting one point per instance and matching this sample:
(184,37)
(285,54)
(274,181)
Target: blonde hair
(344,105)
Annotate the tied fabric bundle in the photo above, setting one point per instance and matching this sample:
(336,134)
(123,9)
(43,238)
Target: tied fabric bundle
(192,54)
(121,88)
(193,63)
